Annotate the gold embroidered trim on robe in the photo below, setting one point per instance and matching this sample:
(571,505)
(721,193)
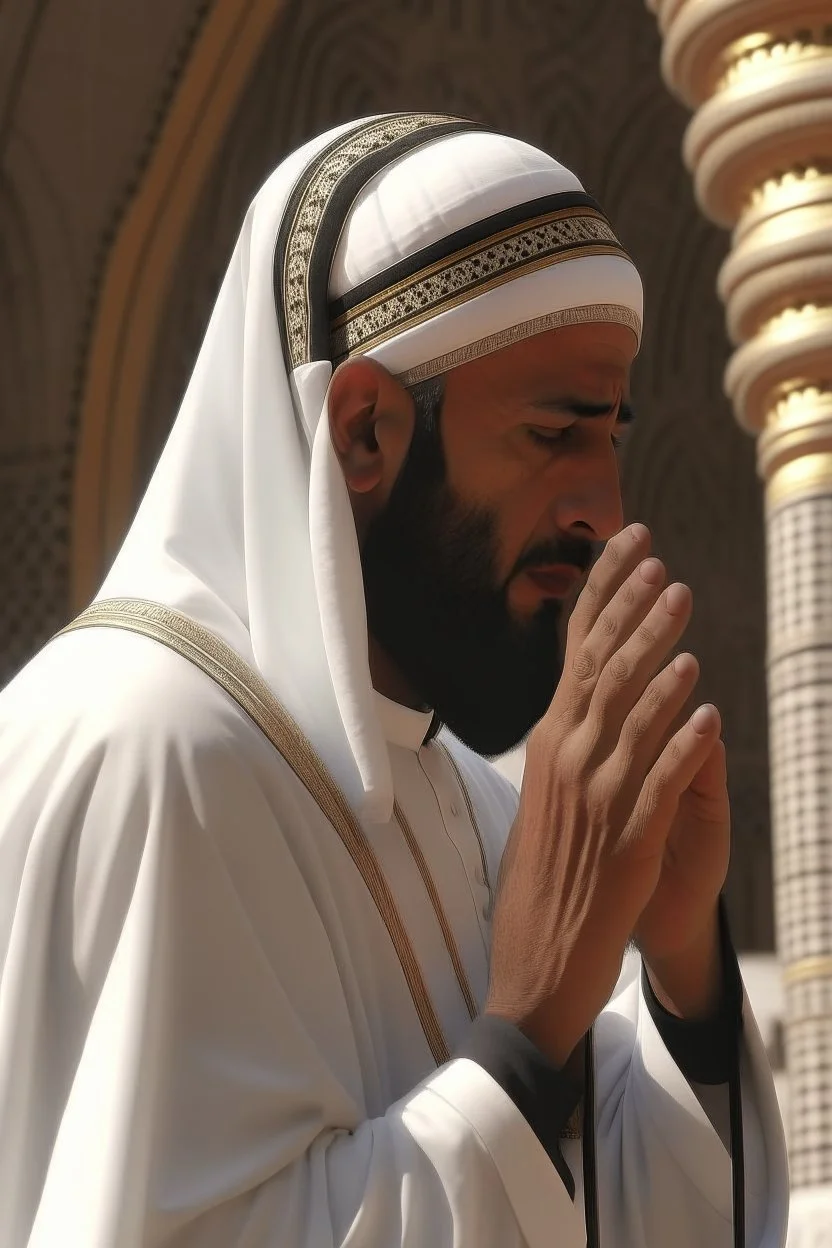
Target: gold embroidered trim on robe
(197,644)
(248,689)
(438,909)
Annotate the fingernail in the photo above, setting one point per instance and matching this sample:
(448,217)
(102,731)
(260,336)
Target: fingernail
(677,599)
(639,533)
(685,665)
(705,719)
(652,571)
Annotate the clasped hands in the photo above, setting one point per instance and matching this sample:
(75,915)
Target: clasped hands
(623,828)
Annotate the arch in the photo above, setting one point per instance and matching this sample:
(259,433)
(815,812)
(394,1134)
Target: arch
(137,276)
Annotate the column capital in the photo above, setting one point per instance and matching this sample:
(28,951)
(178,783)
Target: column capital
(758,74)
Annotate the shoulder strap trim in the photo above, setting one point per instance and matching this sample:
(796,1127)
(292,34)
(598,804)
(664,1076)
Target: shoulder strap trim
(248,689)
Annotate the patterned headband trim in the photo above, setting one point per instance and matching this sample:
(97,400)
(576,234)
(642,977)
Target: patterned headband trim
(568,233)
(315,215)
(587,314)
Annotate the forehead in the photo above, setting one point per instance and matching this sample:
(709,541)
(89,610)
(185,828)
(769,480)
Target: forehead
(578,360)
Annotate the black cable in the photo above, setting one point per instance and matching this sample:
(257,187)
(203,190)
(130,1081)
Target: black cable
(737,1147)
(593,1230)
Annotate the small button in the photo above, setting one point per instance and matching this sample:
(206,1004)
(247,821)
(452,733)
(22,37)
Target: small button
(454,810)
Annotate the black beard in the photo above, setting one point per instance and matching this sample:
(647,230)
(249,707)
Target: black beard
(436,607)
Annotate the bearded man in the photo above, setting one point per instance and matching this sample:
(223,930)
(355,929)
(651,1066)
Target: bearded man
(285,964)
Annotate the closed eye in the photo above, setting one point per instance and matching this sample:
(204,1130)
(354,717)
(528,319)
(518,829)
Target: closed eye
(550,438)
(553,437)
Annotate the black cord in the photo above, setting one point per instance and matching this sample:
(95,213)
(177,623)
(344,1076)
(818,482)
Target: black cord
(737,1147)
(593,1230)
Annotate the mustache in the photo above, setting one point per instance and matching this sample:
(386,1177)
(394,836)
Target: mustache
(575,551)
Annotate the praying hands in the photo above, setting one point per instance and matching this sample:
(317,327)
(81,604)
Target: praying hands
(623,826)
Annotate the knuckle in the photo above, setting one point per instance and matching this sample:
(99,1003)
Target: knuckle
(544,738)
(591,590)
(620,669)
(613,552)
(599,785)
(674,753)
(572,765)
(646,636)
(607,624)
(590,737)
(637,727)
(584,664)
(614,779)
(628,594)
(663,778)
(655,697)
(656,790)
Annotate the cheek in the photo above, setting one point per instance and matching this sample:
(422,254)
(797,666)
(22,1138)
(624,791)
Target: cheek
(522,518)
(493,471)
(513,483)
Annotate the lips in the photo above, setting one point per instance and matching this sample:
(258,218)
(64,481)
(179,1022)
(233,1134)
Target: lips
(556,580)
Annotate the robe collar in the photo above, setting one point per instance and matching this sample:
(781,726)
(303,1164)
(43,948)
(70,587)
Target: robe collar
(401,724)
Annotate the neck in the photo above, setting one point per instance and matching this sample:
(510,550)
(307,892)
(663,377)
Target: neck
(389,680)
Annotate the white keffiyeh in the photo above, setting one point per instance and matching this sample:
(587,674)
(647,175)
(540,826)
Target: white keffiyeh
(247,525)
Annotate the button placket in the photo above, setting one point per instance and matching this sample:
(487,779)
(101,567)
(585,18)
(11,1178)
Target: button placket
(466,839)
(480,870)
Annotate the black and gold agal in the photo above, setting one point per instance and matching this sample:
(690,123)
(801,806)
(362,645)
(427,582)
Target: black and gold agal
(469,262)
(315,216)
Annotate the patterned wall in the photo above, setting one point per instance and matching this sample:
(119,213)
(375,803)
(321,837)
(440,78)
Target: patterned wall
(800,620)
(83,87)
(580,78)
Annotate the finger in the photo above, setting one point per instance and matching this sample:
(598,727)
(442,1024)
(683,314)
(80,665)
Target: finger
(623,614)
(616,623)
(711,779)
(621,556)
(644,734)
(629,671)
(673,772)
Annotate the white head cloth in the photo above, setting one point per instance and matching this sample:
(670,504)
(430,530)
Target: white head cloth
(246,525)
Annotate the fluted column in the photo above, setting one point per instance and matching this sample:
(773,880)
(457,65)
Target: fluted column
(758,74)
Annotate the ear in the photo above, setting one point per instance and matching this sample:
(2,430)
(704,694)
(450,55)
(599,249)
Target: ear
(371,423)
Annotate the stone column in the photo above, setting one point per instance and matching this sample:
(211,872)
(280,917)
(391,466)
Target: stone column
(758,74)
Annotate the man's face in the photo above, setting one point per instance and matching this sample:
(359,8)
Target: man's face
(492,524)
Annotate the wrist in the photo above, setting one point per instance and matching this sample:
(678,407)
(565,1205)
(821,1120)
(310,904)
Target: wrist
(689,982)
(549,1031)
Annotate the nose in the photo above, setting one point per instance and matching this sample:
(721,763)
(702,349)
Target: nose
(588,497)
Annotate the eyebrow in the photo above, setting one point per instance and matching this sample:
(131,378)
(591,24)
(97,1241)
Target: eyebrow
(588,411)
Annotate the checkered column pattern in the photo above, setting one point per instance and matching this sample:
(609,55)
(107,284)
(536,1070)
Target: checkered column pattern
(800,700)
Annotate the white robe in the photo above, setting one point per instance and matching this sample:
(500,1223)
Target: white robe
(206,1039)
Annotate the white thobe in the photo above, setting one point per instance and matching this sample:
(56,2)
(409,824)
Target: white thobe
(207,1041)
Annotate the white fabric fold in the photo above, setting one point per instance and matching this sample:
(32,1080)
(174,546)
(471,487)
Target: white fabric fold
(645,1099)
(206,1040)
(336,562)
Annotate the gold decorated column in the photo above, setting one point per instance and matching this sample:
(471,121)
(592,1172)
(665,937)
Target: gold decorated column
(758,75)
